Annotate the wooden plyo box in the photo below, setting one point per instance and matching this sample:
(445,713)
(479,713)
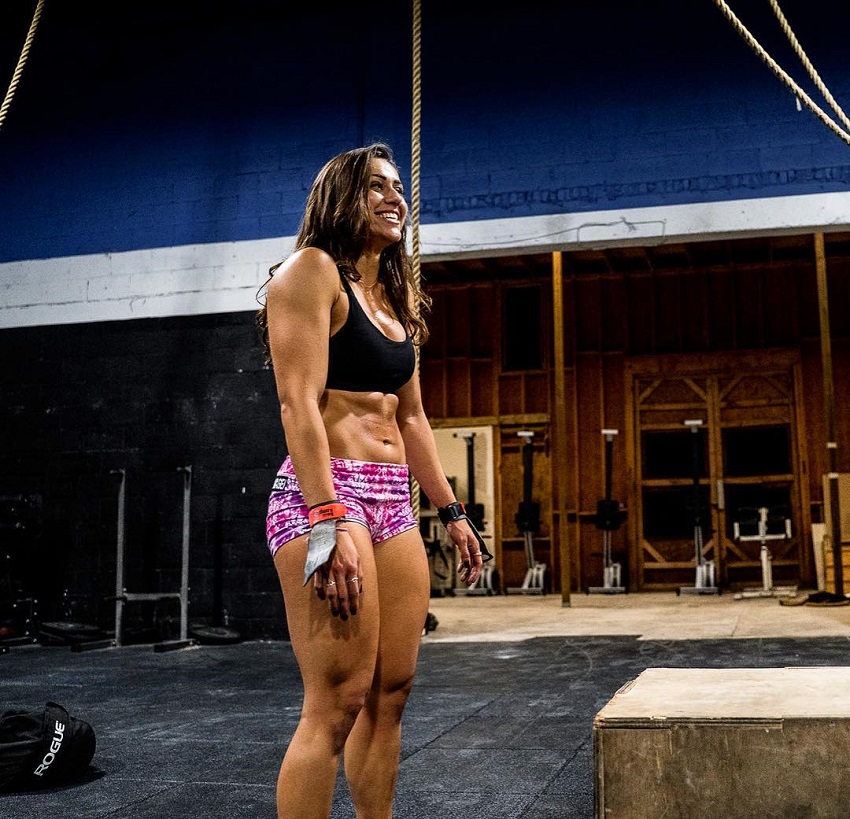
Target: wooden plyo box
(733,743)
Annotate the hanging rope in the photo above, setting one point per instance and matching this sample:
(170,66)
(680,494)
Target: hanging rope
(798,50)
(777,69)
(416,147)
(19,69)
(415,152)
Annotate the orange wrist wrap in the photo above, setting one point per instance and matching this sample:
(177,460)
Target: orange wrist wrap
(326,511)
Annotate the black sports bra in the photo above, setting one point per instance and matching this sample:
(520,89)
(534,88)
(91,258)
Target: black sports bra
(362,359)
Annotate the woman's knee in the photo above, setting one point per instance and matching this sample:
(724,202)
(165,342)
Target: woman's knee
(336,714)
(391,698)
(352,702)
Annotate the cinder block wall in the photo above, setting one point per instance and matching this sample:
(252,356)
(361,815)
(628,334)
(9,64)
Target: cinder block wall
(148,397)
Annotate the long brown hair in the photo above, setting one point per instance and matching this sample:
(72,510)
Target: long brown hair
(336,220)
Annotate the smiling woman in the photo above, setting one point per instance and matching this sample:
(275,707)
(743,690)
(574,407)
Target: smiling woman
(341,321)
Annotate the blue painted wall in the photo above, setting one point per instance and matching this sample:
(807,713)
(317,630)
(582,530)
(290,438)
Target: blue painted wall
(157,124)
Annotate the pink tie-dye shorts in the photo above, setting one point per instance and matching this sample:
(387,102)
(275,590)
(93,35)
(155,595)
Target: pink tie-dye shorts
(377,496)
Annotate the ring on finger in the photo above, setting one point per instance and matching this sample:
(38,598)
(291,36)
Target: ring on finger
(352,579)
(331,583)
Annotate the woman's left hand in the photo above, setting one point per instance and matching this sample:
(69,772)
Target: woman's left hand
(338,581)
(469,567)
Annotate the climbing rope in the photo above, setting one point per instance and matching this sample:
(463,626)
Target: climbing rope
(783,75)
(415,153)
(798,50)
(19,69)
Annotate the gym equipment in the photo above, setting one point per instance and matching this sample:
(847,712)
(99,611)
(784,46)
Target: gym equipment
(608,519)
(484,585)
(704,583)
(431,623)
(756,525)
(122,596)
(219,632)
(19,525)
(440,556)
(438,546)
(724,742)
(528,522)
(475,511)
(26,590)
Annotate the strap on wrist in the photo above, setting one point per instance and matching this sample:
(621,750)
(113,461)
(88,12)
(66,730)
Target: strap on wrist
(454,511)
(457,511)
(326,511)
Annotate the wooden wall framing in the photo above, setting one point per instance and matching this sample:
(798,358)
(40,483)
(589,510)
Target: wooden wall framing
(742,299)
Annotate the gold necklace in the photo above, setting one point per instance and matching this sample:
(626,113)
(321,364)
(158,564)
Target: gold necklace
(366,288)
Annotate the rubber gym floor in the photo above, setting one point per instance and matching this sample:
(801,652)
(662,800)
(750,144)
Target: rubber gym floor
(498,725)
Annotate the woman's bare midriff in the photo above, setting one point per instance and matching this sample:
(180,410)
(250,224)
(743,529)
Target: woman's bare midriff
(362,426)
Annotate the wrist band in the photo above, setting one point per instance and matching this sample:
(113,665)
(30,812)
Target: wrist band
(326,511)
(454,511)
(457,511)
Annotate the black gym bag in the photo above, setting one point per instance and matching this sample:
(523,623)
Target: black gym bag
(43,747)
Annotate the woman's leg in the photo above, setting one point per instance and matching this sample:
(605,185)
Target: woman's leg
(337,662)
(372,751)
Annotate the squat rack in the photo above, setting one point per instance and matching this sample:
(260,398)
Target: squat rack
(122,596)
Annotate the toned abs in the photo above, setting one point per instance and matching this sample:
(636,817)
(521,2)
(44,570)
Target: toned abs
(362,426)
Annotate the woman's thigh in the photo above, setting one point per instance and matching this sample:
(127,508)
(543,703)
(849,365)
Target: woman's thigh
(404,589)
(333,654)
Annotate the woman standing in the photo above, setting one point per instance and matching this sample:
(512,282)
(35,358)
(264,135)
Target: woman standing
(342,320)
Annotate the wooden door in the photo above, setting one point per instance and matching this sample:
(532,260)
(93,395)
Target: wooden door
(738,452)
(758,466)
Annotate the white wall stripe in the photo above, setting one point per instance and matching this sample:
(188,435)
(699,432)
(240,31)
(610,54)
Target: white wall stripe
(224,276)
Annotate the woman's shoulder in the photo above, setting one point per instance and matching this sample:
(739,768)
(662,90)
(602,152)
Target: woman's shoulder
(310,259)
(307,266)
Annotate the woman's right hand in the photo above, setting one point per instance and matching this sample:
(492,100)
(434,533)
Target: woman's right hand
(471,560)
(339,580)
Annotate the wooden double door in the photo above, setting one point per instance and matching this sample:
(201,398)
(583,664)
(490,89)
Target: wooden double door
(715,440)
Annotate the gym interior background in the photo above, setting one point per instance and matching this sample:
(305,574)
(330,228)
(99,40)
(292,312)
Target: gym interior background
(623,212)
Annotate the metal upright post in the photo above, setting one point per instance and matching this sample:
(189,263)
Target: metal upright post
(183,594)
(475,512)
(120,598)
(704,583)
(608,518)
(184,567)
(528,522)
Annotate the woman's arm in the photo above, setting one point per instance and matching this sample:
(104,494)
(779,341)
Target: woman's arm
(420,446)
(424,462)
(300,297)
